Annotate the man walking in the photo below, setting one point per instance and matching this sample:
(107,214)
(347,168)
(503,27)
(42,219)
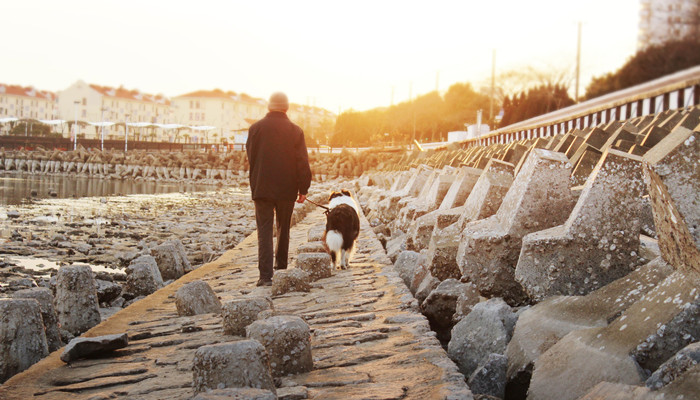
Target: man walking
(279,173)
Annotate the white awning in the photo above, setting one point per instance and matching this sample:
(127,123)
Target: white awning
(8,119)
(101,124)
(202,128)
(52,121)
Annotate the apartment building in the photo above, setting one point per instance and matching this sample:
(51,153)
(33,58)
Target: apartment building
(95,103)
(233,113)
(664,20)
(228,112)
(27,103)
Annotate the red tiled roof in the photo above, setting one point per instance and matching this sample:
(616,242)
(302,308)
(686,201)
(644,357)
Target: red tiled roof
(27,91)
(216,93)
(123,93)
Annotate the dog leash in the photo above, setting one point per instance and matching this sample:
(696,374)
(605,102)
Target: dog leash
(318,205)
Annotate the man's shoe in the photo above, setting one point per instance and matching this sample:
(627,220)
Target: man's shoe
(264,282)
(279,268)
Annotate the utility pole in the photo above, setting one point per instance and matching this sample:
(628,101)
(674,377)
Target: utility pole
(493,84)
(578,61)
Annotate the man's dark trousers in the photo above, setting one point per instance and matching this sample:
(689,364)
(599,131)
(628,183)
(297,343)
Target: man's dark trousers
(265,211)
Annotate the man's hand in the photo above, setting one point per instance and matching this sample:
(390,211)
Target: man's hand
(302,198)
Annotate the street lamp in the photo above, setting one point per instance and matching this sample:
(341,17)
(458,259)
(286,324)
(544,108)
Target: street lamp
(102,130)
(126,131)
(75,125)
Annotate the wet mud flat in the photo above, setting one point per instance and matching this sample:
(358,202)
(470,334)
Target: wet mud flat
(108,232)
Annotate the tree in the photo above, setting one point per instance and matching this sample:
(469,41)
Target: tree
(648,64)
(539,100)
(30,129)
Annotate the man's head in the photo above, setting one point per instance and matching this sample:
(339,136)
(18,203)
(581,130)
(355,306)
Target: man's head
(278,102)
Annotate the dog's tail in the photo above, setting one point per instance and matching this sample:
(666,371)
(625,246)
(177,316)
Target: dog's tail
(334,241)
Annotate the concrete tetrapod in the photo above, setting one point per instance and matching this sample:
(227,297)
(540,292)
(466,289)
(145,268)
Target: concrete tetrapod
(483,201)
(657,326)
(539,198)
(599,241)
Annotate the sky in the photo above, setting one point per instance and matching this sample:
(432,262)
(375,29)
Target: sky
(336,55)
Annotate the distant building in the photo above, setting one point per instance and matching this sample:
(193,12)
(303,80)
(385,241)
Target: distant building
(95,103)
(27,102)
(228,111)
(232,114)
(664,20)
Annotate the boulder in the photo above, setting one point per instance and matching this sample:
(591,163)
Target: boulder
(48,314)
(169,261)
(22,337)
(406,265)
(195,298)
(82,347)
(441,303)
(489,378)
(143,276)
(485,330)
(76,299)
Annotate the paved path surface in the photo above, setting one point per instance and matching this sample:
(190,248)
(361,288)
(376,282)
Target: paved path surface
(368,340)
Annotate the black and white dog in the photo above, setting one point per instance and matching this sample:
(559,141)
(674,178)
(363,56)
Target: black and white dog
(342,227)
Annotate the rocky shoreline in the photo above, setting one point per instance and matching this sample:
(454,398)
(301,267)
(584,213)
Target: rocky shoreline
(109,232)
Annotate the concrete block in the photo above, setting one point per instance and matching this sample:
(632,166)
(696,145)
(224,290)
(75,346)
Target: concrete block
(196,298)
(290,280)
(22,337)
(483,201)
(539,198)
(48,313)
(287,339)
(143,276)
(239,313)
(544,324)
(673,181)
(317,265)
(585,358)
(76,299)
(218,366)
(599,241)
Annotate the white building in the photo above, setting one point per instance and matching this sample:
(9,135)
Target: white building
(26,103)
(94,103)
(664,20)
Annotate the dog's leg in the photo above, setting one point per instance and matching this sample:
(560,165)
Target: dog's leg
(343,259)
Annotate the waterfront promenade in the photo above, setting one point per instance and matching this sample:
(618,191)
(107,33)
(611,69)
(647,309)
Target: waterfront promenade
(368,339)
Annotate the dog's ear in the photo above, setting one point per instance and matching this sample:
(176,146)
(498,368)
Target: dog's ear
(346,192)
(333,195)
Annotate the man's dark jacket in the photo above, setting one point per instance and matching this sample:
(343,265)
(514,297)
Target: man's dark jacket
(278,158)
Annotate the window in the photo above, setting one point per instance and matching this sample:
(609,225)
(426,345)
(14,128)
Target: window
(191,105)
(202,116)
(83,113)
(197,103)
(84,101)
(190,116)
(196,116)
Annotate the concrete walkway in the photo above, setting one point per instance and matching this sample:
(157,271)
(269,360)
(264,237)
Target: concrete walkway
(369,341)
